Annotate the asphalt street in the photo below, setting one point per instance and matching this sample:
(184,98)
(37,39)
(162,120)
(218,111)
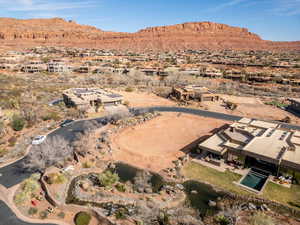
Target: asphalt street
(7,217)
(12,175)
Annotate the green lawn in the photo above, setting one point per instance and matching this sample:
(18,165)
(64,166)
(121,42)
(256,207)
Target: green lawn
(290,196)
(225,181)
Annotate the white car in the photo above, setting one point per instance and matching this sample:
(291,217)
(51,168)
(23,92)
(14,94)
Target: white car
(68,168)
(38,140)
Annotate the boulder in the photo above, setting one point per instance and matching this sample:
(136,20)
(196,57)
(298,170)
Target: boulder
(194,192)
(85,185)
(212,203)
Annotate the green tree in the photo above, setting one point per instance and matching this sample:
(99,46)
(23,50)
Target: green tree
(17,122)
(82,218)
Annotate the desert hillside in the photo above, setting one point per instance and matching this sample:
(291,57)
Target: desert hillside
(196,35)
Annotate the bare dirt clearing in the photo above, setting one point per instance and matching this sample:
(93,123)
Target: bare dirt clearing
(142,99)
(250,107)
(156,143)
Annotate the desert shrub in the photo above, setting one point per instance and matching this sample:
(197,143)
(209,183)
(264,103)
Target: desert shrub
(3,152)
(61,215)
(129,89)
(73,113)
(51,116)
(32,211)
(163,218)
(126,103)
(121,187)
(2,128)
(276,103)
(222,220)
(107,178)
(13,103)
(12,141)
(87,164)
(56,178)
(261,219)
(17,122)
(82,218)
(30,116)
(121,214)
(231,105)
(35,176)
(30,185)
(43,214)
(20,197)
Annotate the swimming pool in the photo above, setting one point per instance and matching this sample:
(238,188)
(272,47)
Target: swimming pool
(255,179)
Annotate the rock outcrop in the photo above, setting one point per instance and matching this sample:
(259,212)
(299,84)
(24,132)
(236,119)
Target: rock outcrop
(196,35)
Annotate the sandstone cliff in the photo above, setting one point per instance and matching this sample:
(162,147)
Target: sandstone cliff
(197,35)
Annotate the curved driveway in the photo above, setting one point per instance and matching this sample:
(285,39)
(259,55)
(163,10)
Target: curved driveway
(12,175)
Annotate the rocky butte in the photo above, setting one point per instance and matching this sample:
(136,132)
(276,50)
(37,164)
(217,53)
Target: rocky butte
(16,33)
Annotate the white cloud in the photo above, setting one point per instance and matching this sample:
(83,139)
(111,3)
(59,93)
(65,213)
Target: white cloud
(43,5)
(25,2)
(226,4)
(287,8)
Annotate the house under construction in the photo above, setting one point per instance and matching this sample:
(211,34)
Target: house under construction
(194,92)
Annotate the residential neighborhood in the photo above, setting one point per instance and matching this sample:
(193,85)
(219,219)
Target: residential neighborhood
(149,112)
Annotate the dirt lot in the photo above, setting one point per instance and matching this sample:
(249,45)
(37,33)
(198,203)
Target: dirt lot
(250,107)
(142,99)
(247,106)
(156,143)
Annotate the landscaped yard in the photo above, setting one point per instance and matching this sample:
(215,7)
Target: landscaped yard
(225,181)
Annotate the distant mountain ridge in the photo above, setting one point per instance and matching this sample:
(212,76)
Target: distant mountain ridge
(192,35)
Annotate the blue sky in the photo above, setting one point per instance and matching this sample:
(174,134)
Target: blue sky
(277,20)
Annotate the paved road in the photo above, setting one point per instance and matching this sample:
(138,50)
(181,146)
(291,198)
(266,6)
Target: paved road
(210,114)
(11,175)
(7,217)
(197,112)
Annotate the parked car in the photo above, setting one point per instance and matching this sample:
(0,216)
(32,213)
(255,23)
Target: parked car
(38,140)
(66,169)
(66,123)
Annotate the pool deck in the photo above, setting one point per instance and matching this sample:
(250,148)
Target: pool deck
(239,183)
(222,168)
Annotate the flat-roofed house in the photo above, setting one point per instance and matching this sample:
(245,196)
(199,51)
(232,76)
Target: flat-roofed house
(90,99)
(255,143)
(34,67)
(57,66)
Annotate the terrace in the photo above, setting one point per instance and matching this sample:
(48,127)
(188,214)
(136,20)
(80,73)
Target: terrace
(255,144)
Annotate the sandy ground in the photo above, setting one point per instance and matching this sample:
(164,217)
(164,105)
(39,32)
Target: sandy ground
(250,107)
(156,143)
(142,99)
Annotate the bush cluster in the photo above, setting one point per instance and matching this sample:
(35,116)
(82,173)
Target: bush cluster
(56,178)
(82,218)
(17,123)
